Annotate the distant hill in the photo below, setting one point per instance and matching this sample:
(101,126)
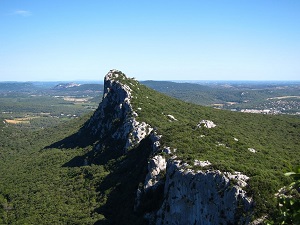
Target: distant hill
(256,96)
(78,87)
(189,92)
(17,87)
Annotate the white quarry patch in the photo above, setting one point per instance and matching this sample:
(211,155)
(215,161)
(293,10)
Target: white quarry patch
(201,163)
(171,117)
(206,123)
(252,150)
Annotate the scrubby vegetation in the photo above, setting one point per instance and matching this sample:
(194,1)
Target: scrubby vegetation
(36,187)
(288,201)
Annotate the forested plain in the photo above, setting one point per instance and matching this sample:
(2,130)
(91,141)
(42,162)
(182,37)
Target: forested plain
(41,184)
(35,186)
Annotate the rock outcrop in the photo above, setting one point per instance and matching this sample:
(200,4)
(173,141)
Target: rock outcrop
(202,197)
(206,123)
(115,120)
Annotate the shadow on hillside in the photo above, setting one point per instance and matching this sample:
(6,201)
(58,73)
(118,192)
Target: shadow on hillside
(79,139)
(127,172)
(125,177)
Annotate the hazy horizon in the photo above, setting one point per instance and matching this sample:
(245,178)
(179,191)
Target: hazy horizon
(176,81)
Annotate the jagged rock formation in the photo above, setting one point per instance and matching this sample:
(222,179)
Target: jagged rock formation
(183,195)
(114,120)
(202,197)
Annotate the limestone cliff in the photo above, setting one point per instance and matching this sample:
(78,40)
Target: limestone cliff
(114,120)
(202,197)
(183,195)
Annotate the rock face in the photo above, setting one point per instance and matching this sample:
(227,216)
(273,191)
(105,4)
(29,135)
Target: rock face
(156,165)
(202,197)
(185,196)
(114,120)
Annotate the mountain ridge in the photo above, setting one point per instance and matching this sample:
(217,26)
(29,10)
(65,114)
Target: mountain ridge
(131,115)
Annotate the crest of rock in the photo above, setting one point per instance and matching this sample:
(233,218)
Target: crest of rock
(114,120)
(155,166)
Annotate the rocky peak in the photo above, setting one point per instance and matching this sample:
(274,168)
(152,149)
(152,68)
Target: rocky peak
(115,119)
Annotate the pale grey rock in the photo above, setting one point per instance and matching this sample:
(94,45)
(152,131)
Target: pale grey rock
(156,165)
(221,144)
(252,150)
(153,179)
(201,163)
(240,178)
(171,117)
(206,123)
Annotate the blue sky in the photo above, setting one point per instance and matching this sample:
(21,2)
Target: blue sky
(52,40)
